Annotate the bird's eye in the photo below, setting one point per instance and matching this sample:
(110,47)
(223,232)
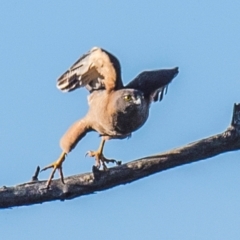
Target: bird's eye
(128,97)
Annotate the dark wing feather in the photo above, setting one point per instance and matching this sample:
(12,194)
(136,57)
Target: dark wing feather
(95,70)
(153,83)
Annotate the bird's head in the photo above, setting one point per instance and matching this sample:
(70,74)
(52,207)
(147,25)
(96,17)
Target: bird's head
(129,98)
(130,110)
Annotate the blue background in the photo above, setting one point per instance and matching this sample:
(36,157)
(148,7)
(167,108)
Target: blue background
(39,40)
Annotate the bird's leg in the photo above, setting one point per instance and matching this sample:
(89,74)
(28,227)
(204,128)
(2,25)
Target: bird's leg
(99,157)
(98,154)
(56,165)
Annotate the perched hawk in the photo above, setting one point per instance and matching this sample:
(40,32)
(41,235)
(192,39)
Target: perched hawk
(115,110)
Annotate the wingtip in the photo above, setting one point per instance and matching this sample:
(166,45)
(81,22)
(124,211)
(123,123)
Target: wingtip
(61,88)
(176,71)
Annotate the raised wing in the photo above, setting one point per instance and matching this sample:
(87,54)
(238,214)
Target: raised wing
(97,69)
(153,83)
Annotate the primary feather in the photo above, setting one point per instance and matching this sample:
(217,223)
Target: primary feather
(95,70)
(153,83)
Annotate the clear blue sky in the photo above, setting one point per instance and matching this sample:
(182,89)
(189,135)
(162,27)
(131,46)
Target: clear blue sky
(41,39)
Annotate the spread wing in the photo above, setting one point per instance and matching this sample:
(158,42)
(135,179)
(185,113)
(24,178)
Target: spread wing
(153,83)
(97,69)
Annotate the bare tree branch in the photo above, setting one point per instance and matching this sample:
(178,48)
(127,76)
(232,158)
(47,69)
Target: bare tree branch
(87,183)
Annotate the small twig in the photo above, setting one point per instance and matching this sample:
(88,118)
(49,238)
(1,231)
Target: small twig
(35,176)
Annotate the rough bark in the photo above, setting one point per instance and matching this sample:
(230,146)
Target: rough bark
(82,184)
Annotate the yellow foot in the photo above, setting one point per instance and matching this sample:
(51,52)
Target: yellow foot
(101,160)
(56,165)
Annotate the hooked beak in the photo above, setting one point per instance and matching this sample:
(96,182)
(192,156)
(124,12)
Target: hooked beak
(138,101)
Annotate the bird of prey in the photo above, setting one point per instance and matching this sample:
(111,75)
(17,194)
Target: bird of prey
(115,110)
